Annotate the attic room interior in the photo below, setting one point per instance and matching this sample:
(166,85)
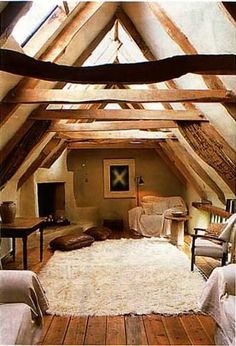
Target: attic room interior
(118,143)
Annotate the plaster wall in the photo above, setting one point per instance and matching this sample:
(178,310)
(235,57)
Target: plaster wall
(87,166)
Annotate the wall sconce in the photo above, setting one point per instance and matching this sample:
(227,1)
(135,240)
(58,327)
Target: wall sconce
(139,182)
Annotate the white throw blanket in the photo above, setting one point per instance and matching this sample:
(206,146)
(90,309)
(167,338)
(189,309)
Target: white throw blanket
(218,300)
(155,225)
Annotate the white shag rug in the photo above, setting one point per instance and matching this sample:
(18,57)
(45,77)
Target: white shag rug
(125,276)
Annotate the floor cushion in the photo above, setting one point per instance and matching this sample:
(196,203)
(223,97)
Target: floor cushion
(71,242)
(98,232)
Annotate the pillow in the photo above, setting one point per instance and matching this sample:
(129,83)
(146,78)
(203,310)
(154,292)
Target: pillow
(99,232)
(160,207)
(71,242)
(147,207)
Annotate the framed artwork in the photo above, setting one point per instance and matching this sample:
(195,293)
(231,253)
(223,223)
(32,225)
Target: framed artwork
(119,178)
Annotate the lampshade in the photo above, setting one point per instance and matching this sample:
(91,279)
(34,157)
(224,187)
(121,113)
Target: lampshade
(140,180)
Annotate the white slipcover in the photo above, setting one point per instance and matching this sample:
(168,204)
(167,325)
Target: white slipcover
(218,300)
(149,218)
(22,305)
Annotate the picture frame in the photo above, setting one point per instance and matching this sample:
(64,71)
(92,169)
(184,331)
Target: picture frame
(119,178)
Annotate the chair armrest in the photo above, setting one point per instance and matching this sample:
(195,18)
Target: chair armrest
(23,286)
(194,236)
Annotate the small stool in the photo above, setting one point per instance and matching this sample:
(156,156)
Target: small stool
(71,242)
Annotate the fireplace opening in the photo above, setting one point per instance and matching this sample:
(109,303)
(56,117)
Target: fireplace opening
(51,202)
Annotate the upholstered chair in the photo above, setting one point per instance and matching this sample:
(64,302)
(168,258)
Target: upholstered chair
(209,245)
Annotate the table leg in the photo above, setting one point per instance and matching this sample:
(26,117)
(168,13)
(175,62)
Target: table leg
(14,249)
(177,232)
(24,240)
(41,243)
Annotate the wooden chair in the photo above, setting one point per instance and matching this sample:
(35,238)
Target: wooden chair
(208,245)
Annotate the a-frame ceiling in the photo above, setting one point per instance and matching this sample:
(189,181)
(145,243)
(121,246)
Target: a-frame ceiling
(34,135)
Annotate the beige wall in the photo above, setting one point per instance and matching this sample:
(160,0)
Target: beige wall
(87,166)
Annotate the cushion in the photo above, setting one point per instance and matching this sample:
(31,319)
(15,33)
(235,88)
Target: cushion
(215,228)
(71,242)
(147,208)
(98,232)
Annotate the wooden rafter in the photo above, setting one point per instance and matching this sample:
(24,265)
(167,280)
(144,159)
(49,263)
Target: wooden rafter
(18,154)
(50,159)
(186,171)
(212,82)
(10,15)
(112,144)
(114,125)
(230,9)
(116,114)
(54,51)
(137,73)
(122,134)
(207,143)
(38,161)
(56,96)
(15,141)
(189,160)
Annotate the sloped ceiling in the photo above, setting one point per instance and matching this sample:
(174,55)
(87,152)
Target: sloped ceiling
(111,32)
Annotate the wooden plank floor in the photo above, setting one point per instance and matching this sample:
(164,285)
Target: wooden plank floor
(154,329)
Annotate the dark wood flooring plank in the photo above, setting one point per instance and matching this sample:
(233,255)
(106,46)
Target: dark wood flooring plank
(208,325)
(115,334)
(57,331)
(47,320)
(155,330)
(76,330)
(96,331)
(135,331)
(175,331)
(194,330)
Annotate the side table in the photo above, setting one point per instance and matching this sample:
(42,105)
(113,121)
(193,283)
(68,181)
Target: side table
(22,228)
(177,228)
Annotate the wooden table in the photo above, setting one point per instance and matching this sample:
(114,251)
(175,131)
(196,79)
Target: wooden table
(22,228)
(177,228)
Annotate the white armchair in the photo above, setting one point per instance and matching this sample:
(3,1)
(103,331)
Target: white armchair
(149,219)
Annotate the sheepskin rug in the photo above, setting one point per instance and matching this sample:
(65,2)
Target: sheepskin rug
(125,276)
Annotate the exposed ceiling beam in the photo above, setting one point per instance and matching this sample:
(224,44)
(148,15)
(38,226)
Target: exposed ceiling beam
(10,15)
(50,159)
(114,125)
(24,148)
(113,144)
(115,114)
(185,170)
(209,145)
(123,134)
(137,73)
(14,140)
(189,160)
(38,161)
(230,10)
(212,82)
(55,50)
(56,96)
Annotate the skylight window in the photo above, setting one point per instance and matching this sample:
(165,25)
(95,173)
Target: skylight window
(32,21)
